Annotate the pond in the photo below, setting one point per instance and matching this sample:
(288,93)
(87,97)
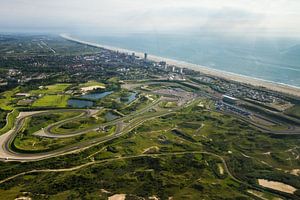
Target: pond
(130,98)
(75,103)
(96,96)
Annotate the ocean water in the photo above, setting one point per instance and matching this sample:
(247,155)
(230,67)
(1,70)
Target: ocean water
(272,59)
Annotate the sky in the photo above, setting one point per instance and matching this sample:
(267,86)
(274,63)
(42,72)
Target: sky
(273,17)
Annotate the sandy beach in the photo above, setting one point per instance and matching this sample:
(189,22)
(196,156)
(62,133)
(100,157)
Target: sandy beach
(209,71)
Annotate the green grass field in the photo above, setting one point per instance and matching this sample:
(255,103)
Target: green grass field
(37,122)
(26,141)
(52,101)
(78,124)
(6,98)
(34,144)
(52,89)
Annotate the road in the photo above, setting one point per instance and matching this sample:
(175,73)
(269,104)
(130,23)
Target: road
(124,125)
(135,119)
(290,130)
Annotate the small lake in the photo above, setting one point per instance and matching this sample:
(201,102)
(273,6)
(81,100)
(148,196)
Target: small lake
(96,96)
(75,103)
(130,98)
(111,116)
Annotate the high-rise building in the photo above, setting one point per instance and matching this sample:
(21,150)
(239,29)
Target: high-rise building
(162,63)
(173,69)
(145,56)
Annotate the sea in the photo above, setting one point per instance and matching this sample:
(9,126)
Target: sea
(275,59)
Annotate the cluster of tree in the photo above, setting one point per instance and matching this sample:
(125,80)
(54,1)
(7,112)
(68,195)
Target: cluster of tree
(3,114)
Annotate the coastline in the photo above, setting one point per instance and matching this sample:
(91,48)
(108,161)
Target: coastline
(278,87)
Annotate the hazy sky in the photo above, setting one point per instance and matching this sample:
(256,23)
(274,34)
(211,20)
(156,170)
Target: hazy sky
(134,16)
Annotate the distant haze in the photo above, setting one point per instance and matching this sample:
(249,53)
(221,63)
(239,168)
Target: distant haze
(252,17)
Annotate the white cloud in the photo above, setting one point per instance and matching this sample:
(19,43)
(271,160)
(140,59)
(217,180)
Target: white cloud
(152,15)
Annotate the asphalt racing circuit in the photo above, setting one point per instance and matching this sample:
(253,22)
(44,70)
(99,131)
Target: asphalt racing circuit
(123,125)
(132,121)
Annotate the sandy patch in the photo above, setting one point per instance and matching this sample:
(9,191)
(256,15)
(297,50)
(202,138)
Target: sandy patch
(23,198)
(246,156)
(261,195)
(267,153)
(90,88)
(153,198)
(257,193)
(117,197)
(221,170)
(104,191)
(277,186)
(295,172)
(92,112)
(153,149)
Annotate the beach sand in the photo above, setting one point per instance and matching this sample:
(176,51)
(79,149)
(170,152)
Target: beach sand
(278,87)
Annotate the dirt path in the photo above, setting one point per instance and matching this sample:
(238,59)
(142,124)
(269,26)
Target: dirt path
(116,159)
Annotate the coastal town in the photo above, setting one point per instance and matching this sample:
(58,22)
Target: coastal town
(128,67)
